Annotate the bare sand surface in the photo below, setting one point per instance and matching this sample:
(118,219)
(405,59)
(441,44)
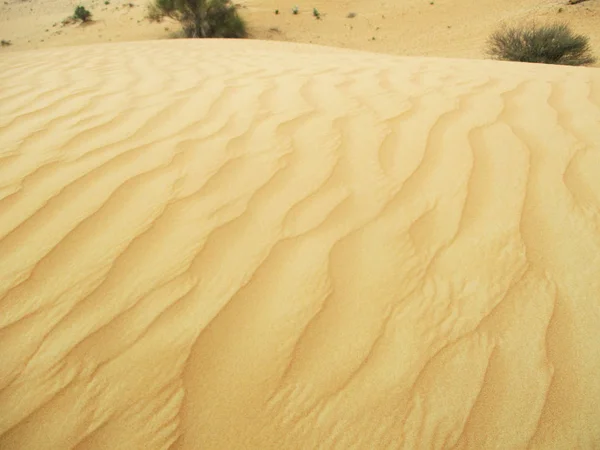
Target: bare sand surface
(260,245)
(447,28)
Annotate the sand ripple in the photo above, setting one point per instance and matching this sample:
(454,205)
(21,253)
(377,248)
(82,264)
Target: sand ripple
(235,245)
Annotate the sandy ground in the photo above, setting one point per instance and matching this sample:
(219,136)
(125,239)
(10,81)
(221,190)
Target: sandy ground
(448,28)
(296,247)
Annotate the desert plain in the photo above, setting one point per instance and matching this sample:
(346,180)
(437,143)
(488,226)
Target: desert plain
(444,28)
(366,237)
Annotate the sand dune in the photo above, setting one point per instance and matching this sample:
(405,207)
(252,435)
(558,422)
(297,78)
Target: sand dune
(251,245)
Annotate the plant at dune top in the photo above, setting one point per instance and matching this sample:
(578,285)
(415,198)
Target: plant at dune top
(82,14)
(547,44)
(201,18)
(295,10)
(316,13)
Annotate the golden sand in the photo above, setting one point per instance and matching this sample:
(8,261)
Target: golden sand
(253,245)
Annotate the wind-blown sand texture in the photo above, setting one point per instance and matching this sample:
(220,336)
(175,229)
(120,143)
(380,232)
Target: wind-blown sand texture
(251,245)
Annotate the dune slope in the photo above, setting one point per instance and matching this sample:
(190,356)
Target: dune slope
(251,245)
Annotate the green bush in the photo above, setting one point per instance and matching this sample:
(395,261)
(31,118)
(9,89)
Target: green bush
(82,14)
(201,18)
(547,44)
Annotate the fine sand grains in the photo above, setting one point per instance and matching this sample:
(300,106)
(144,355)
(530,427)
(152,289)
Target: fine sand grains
(252,245)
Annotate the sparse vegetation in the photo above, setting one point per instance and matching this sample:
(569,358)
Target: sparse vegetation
(295,10)
(5,43)
(316,13)
(154,14)
(201,18)
(276,11)
(351,15)
(82,14)
(547,44)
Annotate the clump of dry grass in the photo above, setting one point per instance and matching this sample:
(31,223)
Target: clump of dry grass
(547,44)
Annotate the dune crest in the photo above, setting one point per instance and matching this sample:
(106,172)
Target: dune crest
(227,245)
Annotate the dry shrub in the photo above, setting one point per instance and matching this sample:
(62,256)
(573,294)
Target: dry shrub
(201,18)
(547,44)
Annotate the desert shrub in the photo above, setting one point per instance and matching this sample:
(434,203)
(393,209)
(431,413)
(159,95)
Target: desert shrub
(201,18)
(81,14)
(548,44)
(154,14)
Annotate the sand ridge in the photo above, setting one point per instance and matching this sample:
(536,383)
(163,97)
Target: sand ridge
(246,244)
